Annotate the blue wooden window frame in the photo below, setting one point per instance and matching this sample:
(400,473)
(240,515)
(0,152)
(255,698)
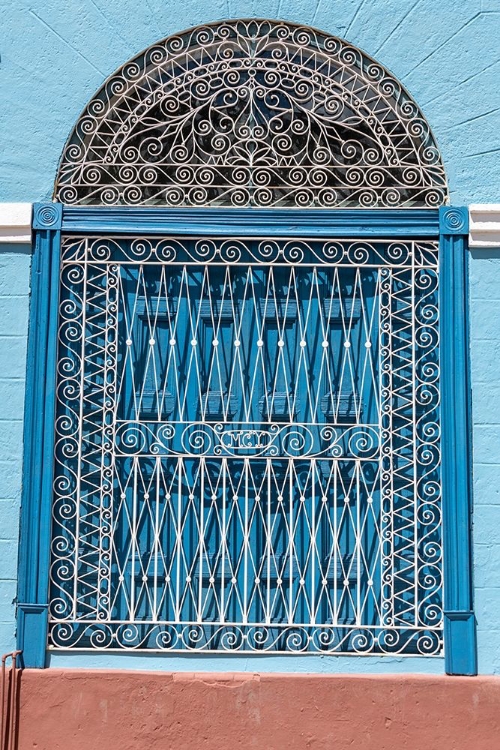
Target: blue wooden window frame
(448,223)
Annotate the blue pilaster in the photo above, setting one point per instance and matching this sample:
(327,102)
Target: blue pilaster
(459,620)
(39,437)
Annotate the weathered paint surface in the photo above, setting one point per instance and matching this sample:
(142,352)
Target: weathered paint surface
(136,710)
(447,54)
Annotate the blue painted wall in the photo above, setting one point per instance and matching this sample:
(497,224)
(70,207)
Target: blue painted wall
(14,304)
(484,272)
(55,56)
(60,51)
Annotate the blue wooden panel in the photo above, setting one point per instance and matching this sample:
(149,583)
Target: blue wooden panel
(210,348)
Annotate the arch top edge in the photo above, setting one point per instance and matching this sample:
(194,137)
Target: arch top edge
(252,112)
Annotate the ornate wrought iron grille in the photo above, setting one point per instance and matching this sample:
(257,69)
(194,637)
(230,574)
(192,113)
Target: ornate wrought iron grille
(247,452)
(252,113)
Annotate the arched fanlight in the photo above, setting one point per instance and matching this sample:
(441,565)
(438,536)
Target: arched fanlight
(252,113)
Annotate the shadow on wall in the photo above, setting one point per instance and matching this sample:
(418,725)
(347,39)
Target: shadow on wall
(484,253)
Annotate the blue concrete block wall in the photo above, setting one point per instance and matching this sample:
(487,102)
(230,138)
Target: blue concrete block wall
(485,358)
(14,303)
(58,52)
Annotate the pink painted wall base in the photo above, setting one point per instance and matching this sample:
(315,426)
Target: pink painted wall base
(91,710)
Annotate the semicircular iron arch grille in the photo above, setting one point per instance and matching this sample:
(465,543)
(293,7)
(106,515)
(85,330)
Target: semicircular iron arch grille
(252,113)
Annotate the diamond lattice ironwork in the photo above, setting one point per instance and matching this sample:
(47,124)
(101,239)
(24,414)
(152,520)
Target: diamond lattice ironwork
(247,454)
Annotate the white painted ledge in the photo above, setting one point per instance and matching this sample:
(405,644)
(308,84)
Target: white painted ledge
(15,222)
(484,225)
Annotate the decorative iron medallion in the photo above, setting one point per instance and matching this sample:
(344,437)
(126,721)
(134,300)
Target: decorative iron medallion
(252,113)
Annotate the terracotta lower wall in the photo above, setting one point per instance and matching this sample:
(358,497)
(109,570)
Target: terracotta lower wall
(90,710)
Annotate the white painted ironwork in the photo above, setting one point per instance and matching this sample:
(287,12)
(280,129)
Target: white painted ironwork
(252,113)
(247,453)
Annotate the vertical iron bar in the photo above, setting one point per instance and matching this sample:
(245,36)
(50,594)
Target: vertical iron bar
(178,541)
(414,441)
(223,540)
(80,430)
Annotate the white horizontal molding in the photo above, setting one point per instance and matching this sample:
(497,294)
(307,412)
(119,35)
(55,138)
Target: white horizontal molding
(484,225)
(15,222)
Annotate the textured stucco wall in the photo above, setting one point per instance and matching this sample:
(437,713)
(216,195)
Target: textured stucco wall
(131,711)
(57,53)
